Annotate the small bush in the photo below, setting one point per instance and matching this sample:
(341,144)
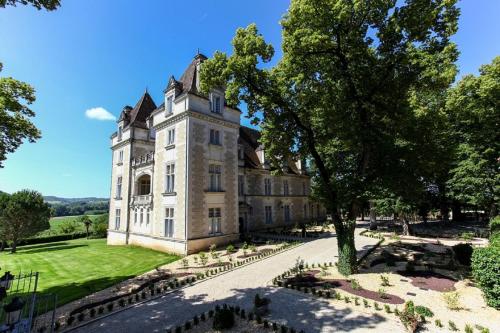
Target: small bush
(409,318)
(355,284)
(468,329)
(438,323)
(387,308)
(424,311)
(452,300)
(485,267)
(463,253)
(382,294)
(365,302)
(223,319)
(452,326)
(384,281)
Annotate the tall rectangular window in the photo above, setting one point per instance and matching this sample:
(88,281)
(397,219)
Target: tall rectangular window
(214,137)
(120,156)
(119,188)
(215,103)
(214,172)
(169,222)
(117,219)
(147,215)
(287,213)
(170,104)
(170,178)
(171,136)
(141,215)
(135,216)
(120,133)
(267,186)
(269,214)
(214,220)
(241,184)
(285,187)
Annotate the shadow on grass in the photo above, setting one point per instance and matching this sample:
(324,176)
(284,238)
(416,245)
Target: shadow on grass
(76,290)
(52,248)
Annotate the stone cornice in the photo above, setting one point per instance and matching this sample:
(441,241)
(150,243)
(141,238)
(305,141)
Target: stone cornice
(176,118)
(121,144)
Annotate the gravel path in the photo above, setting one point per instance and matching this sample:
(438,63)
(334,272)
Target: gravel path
(239,287)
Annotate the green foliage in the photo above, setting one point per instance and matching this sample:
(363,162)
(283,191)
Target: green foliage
(38,4)
(424,311)
(100,226)
(223,319)
(452,300)
(355,284)
(473,106)
(344,95)
(24,214)
(438,323)
(69,227)
(452,326)
(410,319)
(495,224)
(384,281)
(230,249)
(15,124)
(468,329)
(485,269)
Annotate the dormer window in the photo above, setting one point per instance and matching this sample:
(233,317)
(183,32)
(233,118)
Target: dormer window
(170,105)
(120,133)
(215,103)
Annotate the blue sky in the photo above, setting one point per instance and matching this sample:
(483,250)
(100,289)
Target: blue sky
(91,54)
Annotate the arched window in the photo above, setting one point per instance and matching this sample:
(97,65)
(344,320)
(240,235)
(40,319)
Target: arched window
(144,185)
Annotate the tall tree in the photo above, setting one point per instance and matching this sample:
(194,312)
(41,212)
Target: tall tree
(38,4)
(474,110)
(343,93)
(15,125)
(24,215)
(86,221)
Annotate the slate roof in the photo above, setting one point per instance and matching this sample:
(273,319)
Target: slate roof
(137,116)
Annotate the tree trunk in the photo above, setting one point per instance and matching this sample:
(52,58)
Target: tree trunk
(2,246)
(444,212)
(406,227)
(13,246)
(348,261)
(493,211)
(373,217)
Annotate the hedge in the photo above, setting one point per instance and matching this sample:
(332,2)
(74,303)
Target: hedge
(486,271)
(50,239)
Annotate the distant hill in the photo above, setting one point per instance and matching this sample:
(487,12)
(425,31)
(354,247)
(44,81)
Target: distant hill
(53,199)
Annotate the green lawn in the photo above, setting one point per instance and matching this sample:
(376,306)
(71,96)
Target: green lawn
(55,223)
(73,269)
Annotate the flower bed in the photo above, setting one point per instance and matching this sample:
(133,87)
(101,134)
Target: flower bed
(430,280)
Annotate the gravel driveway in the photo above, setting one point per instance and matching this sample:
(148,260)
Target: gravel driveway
(239,287)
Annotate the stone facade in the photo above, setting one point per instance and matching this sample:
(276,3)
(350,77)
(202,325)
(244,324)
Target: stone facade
(186,175)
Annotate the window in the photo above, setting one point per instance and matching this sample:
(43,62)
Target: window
(285,187)
(144,185)
(269,214)
(267,186)
(120,133)
(214,172)
(135,216)
(120,156)
(287,213)
(169,222)
(147,216)
(171,136)
(241,184)
(170,178)
(215,104)
(119,188)
(141,216)
(170,100)
(214,220)
(117,219)
(152,133)
(214,137)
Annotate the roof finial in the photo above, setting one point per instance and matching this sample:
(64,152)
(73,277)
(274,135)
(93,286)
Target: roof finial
(198,51)
(146,89)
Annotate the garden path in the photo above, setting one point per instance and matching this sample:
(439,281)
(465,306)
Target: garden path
(239,287)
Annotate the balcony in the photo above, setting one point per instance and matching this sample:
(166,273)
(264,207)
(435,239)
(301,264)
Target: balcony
(144,159)
(142,200)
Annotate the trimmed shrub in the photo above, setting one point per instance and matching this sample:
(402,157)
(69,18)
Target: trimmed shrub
(223,319)
(463,253)
(424,311)
(485,267)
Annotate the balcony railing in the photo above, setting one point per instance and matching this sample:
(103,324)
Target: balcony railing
(144,159)
(142,199)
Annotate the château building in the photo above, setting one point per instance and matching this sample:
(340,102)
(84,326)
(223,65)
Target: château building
(186,174)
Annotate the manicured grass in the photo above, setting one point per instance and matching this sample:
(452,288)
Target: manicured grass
(73,269)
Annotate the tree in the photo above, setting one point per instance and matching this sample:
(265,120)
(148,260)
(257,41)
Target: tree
(24,215)
(344,93)
(15,125)
(4,200)
(38,4)
(87,222)
(473,106)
